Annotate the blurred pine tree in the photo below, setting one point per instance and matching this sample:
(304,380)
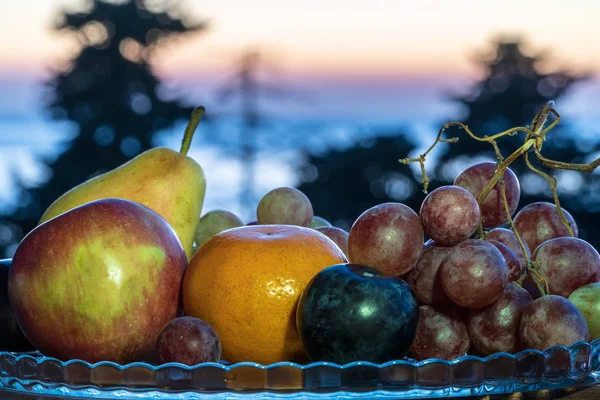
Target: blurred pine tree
(512,90)
(110,93)
(343,184)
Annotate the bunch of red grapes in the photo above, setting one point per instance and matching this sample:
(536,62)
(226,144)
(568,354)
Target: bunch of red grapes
(481,289)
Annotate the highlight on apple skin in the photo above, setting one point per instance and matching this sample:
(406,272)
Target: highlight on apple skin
(98,282)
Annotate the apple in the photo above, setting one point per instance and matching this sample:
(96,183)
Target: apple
(98,282)
(350,312)
(587,300)
(11,337)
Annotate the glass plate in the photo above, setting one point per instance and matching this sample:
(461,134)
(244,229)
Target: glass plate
(528,370)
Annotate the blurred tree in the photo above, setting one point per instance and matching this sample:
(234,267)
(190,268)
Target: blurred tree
(512,91)
(514,87)
(247,86)
(343,184)
(109,92)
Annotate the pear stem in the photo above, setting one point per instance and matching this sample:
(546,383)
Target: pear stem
(197,115)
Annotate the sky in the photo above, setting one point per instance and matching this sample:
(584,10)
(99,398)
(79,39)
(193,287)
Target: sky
(377,38)
(378,57)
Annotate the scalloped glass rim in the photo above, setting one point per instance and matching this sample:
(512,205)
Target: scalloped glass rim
(527,370)
(228,366)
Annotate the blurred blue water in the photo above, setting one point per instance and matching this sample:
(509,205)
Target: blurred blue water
(280,147)
(281,143)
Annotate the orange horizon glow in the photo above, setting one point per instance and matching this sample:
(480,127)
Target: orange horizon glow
(298,70)
(341,40)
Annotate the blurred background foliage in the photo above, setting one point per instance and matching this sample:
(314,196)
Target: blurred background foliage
(511,92)
(110,93)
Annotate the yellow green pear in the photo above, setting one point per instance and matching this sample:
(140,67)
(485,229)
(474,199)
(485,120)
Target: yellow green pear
(167,181)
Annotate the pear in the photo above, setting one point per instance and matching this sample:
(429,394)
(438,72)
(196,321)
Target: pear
(168,182)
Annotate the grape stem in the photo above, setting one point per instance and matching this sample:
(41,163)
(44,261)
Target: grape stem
(511,223)
(553,182)
(531,266)
(533,143)
(421,158)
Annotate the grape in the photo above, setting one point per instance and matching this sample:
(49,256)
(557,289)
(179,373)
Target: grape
(388,237)
(538,222)
(439,335)
(530,283)
(213,222)
(450,215)
(515,269)
(509,238)
(189,341)
(284,205)
(567,263)
(493,212)
(338,235)
(474,273)
(424,278)
(317,222)
(455,311)
(552,321)
(496,328)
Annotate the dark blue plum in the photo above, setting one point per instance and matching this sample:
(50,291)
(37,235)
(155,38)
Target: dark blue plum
(350,312)
(11,337)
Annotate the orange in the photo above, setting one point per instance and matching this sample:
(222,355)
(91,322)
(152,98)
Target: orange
(245,282)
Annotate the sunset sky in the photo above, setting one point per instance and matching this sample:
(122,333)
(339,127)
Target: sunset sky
(378,39)
(381,57)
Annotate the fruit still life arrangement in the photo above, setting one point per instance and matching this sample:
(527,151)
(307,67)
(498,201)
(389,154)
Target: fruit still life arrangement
(126,268)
